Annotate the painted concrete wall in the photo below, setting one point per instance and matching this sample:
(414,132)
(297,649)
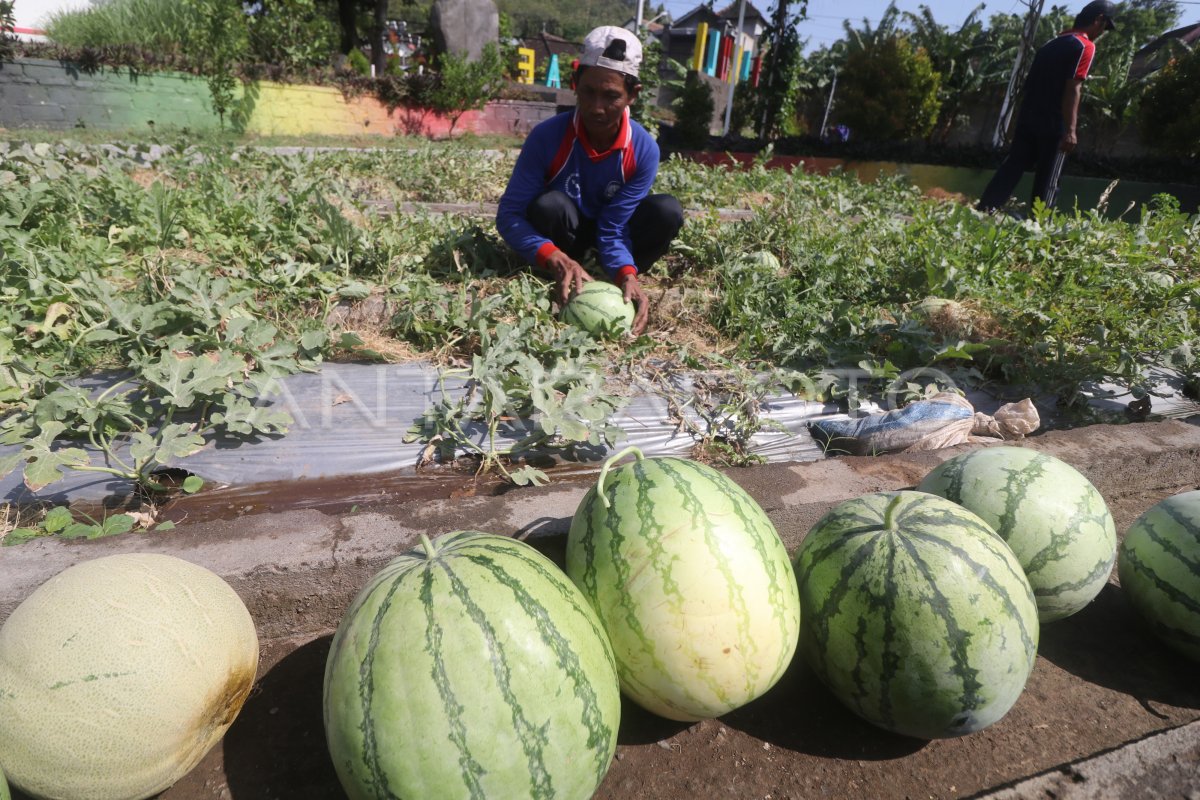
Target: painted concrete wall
(49,94)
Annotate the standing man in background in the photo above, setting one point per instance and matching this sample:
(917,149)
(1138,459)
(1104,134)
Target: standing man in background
(1046,122)
(583,180)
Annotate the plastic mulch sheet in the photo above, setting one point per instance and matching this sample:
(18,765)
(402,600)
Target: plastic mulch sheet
(352,419)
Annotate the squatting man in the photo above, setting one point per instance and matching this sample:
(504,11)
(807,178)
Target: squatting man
(583,180)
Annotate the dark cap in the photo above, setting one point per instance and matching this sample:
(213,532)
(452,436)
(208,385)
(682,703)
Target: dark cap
(1094,9)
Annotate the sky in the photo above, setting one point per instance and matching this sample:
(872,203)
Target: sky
(824,22)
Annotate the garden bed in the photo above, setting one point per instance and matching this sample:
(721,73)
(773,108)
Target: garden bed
(212,272)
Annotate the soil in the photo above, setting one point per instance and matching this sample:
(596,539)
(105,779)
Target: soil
(1100,681)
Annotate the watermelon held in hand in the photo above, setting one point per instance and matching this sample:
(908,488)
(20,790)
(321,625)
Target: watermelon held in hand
(467,669)
(917,616)
(691,582)
(1051,516)
(600,309)
(1159,568)
(118,674)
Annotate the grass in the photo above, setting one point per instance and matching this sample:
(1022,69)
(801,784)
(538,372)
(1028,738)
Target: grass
(215,268)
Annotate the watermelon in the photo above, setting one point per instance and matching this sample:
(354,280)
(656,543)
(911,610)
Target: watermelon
(1050,515)
(760,260)
(691,582)
(600,309)
(917,616)
(471,669)
(4,795)
(118,674)
(1159,568)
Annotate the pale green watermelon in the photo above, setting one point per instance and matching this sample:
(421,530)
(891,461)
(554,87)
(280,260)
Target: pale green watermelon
(471,669)
(1050,515)
(1159,570)
(600,309)
(761,259)
(4,795)
(916,615)
(690,580)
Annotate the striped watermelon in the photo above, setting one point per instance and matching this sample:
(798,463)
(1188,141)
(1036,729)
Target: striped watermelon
(1159,569)
(691,582)
(761,260)
(600,309)
(916,615)
(1050,515)
(471,669)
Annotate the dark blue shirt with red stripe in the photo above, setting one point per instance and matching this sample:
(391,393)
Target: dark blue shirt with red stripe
(606,187)
(1066,57)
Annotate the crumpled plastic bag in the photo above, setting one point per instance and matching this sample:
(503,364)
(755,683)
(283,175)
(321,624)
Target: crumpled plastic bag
(943,420)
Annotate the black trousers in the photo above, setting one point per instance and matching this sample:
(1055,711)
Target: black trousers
(654,224)
(1031,149)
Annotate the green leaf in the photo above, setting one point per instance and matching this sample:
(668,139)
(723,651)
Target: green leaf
(192,484)
(313,339)
(165,526)
(529,476)
(177,440)
(573,430)
(57,519)
(44,465)
(101,335)
(181,377)
(22,535)
(11,461)
(240,416)
(117,523)
(80,530)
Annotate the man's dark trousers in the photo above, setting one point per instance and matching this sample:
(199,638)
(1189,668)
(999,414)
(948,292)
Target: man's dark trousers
(654,223)
(1032,148)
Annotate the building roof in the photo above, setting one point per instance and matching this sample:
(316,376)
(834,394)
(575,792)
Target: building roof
(731,11)
(1152,58)
(704,12)
(701,13)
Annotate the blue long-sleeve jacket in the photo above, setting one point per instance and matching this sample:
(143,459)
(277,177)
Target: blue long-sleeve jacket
(606,187)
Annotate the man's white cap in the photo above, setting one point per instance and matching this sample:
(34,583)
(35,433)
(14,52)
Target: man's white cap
(612,48)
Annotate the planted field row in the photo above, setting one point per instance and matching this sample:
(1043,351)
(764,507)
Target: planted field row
(205,274)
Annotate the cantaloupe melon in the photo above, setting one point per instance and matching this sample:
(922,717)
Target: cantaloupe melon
(118,674)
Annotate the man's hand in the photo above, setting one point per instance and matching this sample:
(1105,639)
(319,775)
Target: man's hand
(569,276)
(635,295)
(1068,141)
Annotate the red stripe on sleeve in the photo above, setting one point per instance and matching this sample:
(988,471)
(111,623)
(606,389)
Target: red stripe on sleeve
(545,251)
(564,152)
(1085,57)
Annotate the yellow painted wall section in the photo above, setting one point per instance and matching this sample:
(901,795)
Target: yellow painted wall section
(297,110)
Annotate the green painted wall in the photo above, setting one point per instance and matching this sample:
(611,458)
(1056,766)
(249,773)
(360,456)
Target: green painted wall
(49,94)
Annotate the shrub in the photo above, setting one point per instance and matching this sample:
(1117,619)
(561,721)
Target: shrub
(888,90)
(358,62)
(1170,116)
(462,85)
(291,33)
(693,113)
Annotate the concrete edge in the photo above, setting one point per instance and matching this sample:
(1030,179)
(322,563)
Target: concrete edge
(298,570)
(1165,764)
